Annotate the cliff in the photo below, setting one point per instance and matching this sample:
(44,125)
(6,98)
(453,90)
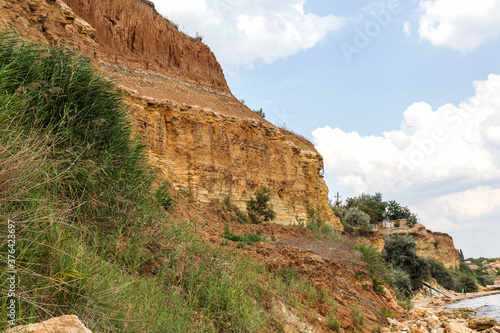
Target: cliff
(199,136)
(214,155)
(436,245)
(50,22)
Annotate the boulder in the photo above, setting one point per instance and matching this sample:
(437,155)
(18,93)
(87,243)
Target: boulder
(63,324)
(481,324)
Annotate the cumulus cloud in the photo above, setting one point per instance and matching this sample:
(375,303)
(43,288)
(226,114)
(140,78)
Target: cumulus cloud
(460,24)
(446,162)
(241,32)
(458,144)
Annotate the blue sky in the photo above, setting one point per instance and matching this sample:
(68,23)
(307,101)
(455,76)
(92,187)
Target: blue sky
(399,97)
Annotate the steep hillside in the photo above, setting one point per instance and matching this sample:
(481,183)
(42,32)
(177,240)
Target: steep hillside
(201,137)
(436,245)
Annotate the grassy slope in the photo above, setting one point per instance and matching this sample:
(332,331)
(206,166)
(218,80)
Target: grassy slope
(91,238)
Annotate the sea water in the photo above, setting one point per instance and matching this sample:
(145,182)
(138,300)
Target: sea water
(487,306)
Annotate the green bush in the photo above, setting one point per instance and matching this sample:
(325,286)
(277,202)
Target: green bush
(442,275)
(465,282)
(249,239)
(401,252)
(401,284)
(378,268)
(356,217)
(485,280)
(333,322)
(164,197)
(242,217)
(358,318)
(259,209)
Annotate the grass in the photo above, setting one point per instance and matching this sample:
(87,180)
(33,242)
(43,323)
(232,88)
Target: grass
(333,322)
(93,235)
(249,238)
(358,318)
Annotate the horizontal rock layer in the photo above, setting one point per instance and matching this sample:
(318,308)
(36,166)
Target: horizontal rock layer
(212,155)
(429,244)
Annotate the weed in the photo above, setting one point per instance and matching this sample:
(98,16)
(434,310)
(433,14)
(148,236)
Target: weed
(242,217)
(249,239)
(333,322)
(377,328)
(358,318)
(288,274)
(386,313)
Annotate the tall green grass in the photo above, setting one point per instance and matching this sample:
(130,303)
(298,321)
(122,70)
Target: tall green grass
(92,239)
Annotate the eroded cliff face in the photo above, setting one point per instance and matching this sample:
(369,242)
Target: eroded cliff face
(199,136)
(213,155)
(50,21)
(429,244)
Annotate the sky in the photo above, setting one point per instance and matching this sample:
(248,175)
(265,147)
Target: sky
(400,97)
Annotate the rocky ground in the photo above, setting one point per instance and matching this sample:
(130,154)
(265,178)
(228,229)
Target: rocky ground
(427,316)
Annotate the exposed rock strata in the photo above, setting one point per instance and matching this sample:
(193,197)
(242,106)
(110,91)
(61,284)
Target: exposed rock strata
(429,244)
(227,150)
(48,22)
(132,34)
(213,155)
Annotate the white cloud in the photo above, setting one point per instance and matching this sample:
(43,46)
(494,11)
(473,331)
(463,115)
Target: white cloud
(407,28)
(446,161)
(476,203)
(241,32)
(460,24)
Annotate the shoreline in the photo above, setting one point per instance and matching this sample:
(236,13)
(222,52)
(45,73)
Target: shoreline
(429,316)
(453,297)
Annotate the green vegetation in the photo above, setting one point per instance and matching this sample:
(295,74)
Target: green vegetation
(93,235)
(356,217)
(249,239)
(442,275)
(259,209)
(358,317)
(260,113)
(379,272)
(374,207)
(401,252)
(333,322)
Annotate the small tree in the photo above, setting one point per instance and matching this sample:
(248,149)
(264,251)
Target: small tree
(356,217)
(260,113)
(401,252)
(259,209)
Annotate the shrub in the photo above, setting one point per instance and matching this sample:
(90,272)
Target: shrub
(401,284)
(242,217)
(401,252)
(227,202)
(249,239)
(259,112)
(378,268)
(442,275)
(333,322)
(485,280)
(356,217)
(358,318)
(163,196)
(259,209)
(465,282)
(288,274)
